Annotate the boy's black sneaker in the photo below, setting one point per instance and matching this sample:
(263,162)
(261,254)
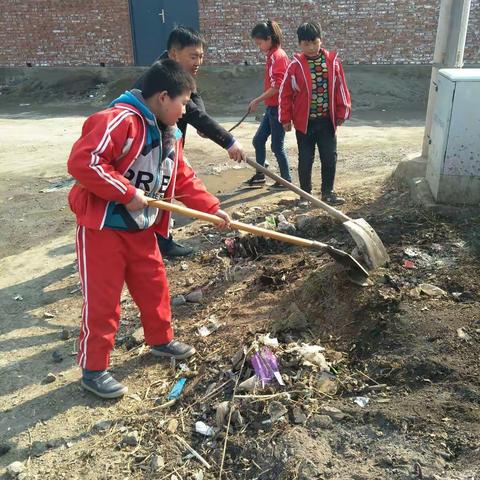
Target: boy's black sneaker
(277,186)
(102,384)
(174,349)
(333,199)
(175,249)
(258,180)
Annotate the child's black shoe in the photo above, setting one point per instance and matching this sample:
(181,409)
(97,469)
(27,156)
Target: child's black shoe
(258,180)
(174,349)
(102,384)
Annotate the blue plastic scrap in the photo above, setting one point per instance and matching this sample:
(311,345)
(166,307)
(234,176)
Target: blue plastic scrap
(176,390)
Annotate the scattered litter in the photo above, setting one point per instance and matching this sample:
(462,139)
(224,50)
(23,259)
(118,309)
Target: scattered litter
(59,186)
(362,401)
(203,429)
(176,390)
(212,326)
(408,264)
(286,227)
(265,364)
(249,385)
(18,298)
(222,411)
(463,334)
(48,315)
(432,290)
(312,356)
(268,341)
(411,252)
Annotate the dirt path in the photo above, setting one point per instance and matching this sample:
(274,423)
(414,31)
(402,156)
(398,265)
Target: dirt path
(53,427)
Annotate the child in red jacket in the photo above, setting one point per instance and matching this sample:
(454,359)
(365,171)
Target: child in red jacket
(314,95)
(125,155)
(268,38)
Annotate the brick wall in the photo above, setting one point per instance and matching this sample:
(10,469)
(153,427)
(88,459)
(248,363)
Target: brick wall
(87,32)
(362,31)
(65,32)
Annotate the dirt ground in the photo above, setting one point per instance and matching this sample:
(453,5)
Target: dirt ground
(412,355)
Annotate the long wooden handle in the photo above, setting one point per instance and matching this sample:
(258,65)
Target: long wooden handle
(245,227)
(340,216)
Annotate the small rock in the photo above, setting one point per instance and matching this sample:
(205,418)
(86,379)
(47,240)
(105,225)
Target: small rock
(189,282)
(463,334)
(194,297)
(276,410)
(157,462)
(66,334)
(237,418)
(15,469)
(332,412)
(57,357)
(131,439)
(327,383)
(39,448)
(172,425)
(103,425)
(4,448)
(178,301)
(322,421)
(302,221)
(183,266)
(48,315)
(432,290)
(135,339)
(237,215)
(50,378)
(298,416)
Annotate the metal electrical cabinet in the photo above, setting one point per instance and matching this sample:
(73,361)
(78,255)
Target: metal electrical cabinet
(453,167)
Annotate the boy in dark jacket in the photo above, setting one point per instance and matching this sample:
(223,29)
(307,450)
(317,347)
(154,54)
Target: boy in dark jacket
(125,155)
(314,95)
(186,46)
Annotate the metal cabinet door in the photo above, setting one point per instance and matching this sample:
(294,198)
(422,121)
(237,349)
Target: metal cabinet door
(152,22)
(440,131)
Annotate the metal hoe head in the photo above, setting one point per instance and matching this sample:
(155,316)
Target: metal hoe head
(368,242)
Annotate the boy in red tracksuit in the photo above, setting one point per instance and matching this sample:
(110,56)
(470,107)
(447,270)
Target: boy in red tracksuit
(314,95)
(126,154)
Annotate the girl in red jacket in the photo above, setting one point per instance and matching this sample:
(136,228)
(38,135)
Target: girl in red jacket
(314,95)
(126,154)
(268,38)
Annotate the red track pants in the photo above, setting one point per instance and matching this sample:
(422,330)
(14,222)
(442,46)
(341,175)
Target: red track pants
(106,260)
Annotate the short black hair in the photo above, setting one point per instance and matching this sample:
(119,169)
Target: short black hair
(309,31)
(167,75)
(181,37)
